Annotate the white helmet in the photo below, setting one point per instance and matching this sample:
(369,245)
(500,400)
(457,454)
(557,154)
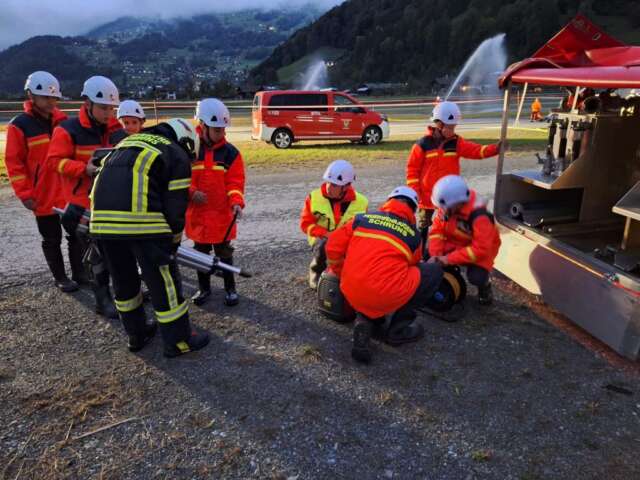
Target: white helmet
(213,113)
(130,108)
(405,192)
(447,112)
(44,84)
(339,172)
(185,134)
(450,191)
(101,90)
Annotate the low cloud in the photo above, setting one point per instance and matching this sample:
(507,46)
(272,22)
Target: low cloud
(20,20)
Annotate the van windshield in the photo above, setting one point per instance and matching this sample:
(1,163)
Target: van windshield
(316,102)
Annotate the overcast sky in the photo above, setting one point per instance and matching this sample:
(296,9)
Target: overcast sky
(21,19)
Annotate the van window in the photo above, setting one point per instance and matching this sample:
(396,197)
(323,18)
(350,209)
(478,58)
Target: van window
(316,102)
(345,104)
(256,102)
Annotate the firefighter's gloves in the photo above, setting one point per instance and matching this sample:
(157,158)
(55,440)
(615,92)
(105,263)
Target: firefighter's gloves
(237,211)
(91,169)
(199,198)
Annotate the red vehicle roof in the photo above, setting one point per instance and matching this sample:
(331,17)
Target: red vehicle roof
(581,54)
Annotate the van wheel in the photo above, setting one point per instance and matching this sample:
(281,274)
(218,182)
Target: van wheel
(371,136)
(282,138)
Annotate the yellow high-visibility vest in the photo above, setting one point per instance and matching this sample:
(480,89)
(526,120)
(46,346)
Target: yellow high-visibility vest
(322,210)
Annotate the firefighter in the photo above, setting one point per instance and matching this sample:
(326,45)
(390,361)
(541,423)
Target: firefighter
(327,208)
(73,144)
(130,114)
(138,206)
(463,233)
(438,154)
(377,257)
(39,189)
(216,195)
(536,111)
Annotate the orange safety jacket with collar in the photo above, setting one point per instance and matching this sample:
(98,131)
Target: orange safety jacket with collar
(72,146)
(430,160)
(28,139)
(219,173)
(468,237)
(375,255)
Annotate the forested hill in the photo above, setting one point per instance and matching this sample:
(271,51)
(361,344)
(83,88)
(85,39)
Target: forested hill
(417,41)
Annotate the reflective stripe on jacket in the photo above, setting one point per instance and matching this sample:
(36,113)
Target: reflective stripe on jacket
(375,255)
(142,189)
(467,237)
(320,215)
(28,138)
(72,145)
(219,173)
(429,161)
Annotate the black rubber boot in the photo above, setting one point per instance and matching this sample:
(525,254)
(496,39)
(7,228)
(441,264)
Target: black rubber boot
(485,295)
(202,295)
(361,351)
(78,271)
(138,342)
(404,329)
(231,298)
(104,302)
(53,256)
(195,341)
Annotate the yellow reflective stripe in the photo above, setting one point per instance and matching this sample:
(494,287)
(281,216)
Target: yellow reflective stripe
(133,143)
(237,192)
(484,147)
(471,254)
(197,167)
(129,229)
(179,184)
(62,164)
(462,234)
(33,143)
(123,216)
(393,242)
(183,347)
(432,154)
(17,178)
(310,227)
(219,167)
(358,205)
(411,181)
(451,154)
(141,179)
(332,262)
(85,151)
(129,305)
(169,316)
(437,235)
(169,286)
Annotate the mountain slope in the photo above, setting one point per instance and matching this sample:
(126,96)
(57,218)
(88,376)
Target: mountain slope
(420,40)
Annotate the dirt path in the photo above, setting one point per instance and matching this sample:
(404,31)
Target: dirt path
(500,394)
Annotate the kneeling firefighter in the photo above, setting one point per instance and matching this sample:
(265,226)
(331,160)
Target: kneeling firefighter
(377,257)
(138,210)
(463,233)
(327,208)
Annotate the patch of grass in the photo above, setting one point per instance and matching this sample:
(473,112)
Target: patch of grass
(482,455)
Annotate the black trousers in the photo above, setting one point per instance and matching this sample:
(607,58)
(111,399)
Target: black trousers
(159,270)
(225,252)
(430,278)
(477,276)
(319,259)
(50,230)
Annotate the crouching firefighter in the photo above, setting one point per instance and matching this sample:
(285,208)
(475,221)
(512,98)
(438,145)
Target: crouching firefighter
(463,233)
(327,208)
(138,206)
(377,257)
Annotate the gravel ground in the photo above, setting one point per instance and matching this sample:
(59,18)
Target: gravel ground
(499,395)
